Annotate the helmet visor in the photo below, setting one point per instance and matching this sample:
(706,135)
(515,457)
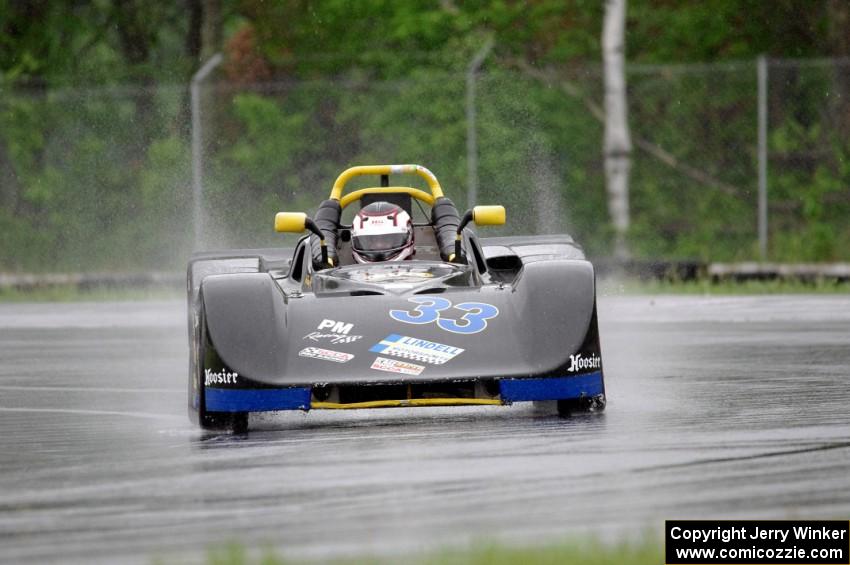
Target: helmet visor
(380,247)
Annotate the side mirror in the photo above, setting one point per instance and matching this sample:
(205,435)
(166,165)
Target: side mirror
(488,215)
(482,216)
(297,222)
(290,222)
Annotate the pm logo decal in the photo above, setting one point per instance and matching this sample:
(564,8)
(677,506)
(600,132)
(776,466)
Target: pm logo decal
(337,332)
(335,327)
(415,349)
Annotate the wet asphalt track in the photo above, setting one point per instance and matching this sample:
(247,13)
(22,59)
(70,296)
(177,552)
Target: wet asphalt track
(718,407)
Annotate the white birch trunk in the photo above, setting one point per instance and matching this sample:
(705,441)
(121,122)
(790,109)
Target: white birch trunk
(618,145)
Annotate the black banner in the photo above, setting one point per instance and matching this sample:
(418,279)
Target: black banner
(762,542)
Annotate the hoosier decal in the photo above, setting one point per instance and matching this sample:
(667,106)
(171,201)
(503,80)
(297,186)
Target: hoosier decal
(579,363)
(416,349)
(219,378)
(396,366)
(326,354)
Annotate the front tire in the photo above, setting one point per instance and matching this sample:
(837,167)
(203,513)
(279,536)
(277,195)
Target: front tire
(201,350)
(570,406)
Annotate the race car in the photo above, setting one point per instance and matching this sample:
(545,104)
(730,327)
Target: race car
(461,320)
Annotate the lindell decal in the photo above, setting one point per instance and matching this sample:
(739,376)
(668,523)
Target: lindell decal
(416,349)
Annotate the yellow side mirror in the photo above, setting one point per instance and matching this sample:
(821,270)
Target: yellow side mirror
(488,215)
(297,222)
(290,222)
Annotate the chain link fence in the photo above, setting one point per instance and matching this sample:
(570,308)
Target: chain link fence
(100,178)
(809,159)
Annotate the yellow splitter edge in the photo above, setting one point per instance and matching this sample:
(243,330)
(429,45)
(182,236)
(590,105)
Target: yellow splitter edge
(407,402)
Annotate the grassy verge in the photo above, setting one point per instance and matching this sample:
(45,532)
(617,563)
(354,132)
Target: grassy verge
(645,552)
(708,287)
(607,287)
(98,294)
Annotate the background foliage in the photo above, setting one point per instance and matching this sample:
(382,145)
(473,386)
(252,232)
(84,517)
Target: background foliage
(94,120)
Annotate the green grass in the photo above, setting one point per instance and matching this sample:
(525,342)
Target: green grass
(645,552)
(72,293)
(631,287)
(607,287)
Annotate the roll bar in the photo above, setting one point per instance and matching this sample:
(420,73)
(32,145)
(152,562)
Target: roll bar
(384,171)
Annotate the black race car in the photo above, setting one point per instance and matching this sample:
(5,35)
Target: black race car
(467,321)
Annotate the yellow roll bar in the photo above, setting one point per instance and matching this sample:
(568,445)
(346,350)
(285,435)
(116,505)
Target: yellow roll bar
(414,192)
(348,174)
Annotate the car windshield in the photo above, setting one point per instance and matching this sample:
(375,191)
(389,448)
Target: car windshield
(393,274)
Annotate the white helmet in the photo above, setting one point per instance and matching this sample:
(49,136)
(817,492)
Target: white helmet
(382,232)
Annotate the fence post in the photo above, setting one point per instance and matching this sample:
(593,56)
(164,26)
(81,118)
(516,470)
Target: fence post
(197,147)
(471,135)
(762,155)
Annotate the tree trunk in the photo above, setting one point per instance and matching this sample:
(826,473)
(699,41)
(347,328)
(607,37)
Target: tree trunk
(210,29)
(838,36)
(10,189)
(137,39)
(617,144)
(838,16)
(193,32)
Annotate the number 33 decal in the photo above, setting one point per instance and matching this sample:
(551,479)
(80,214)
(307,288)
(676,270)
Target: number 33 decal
(430,307)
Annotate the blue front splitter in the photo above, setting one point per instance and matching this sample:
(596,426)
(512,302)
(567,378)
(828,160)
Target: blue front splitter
(298,398)
(552,388)
(257,400)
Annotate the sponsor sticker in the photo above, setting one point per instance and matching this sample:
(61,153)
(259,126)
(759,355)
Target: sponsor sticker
(416,349)
(334,332)
(219,378)
(579,363)
(396,366)
(326,354)
(332,338)
(335,327)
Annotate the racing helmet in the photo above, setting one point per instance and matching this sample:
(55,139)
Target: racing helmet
(381,232)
